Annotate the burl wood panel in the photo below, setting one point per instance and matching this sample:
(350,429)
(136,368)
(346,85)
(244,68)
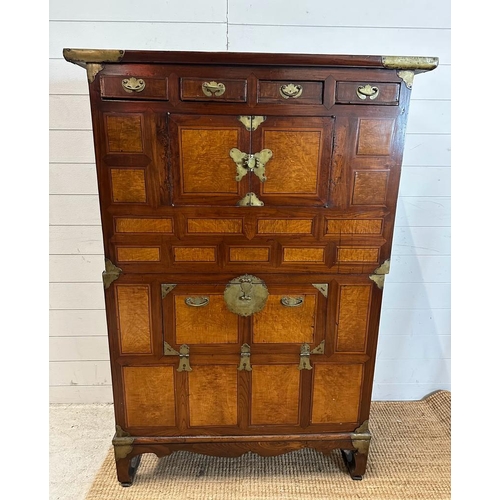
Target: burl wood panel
(346,254)
(128,185)
(210,324)
(269,92)
(249,254)
(275,394)
(295,163)
(206,166)
(213,394)
(194,254)
(143,225)
(277,323)
(352,313)
(370,188)
(336,393)
(138,254)
(284,226)
(304,254)
(215,226)
(149,396)
(375,137)
(124,133)
(134,318)
(354,226)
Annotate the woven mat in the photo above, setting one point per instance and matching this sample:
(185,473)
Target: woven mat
(409,459)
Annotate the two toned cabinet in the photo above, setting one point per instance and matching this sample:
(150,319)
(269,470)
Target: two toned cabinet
(247,205)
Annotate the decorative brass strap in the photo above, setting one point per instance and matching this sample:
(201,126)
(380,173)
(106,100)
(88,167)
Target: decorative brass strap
(184,359)
(133,84)
(110,273)
(305,353)
(248,162)
(367,90)
(292,301)
(213,89)
(197,301)
(245,359)
(291,91)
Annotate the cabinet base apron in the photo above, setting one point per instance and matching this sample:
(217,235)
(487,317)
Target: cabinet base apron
(353,445)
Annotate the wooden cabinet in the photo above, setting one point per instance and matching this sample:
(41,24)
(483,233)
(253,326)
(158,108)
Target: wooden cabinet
(247,209)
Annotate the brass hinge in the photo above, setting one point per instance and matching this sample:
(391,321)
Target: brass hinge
(305,353)
(245,358)
(250,200)
(251,123)
(183,354)
(110,273)
(378,276)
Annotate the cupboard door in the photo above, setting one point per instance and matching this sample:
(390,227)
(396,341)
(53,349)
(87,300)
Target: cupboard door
(298,172)
(202,170)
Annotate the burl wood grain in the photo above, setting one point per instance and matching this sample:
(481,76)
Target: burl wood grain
(277,323)
(134,318)
(214,226)
(206,166)
(354,226)
(143,225)
(275,394)
(210,324)
(336,393)
(128,185)
(370,188)
(375,137)
(213,392)
(138,254)
(303,254)
(194,254)
(249,254)
(346,254)
(284,226)
(294,165)
(149,396)
(353,313)
(124,133)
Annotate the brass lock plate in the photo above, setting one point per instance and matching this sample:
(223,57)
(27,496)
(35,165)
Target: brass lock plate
(246,295)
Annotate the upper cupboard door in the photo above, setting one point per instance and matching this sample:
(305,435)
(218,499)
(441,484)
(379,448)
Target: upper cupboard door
(298,171)
(202,169)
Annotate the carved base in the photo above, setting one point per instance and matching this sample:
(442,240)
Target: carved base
(355,463)
(126,469)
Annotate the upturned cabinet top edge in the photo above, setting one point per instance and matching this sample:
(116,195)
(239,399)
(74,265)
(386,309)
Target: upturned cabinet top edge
(85,56)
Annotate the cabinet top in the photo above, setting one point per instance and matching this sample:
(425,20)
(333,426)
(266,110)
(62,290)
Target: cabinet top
(414,63)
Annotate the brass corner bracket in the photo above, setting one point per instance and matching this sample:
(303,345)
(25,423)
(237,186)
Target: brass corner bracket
(92,59)
(361,438)
(122,443)
(378,276)
(322,287)
(110,273)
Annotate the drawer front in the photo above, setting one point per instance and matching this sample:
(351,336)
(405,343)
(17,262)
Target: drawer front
(290,92)
(370,93)
(213,89)
(134,87)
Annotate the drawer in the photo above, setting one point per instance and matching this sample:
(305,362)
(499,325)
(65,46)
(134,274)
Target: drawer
(213,89)
(371,93)
(134,87)
(290,92)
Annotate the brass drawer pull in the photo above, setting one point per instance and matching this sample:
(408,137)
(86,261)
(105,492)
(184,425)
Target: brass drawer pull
(197,301)
(367,90)
(245,295)
(292,301)
(290,91)
(213,89)
(133,84)
(245,359)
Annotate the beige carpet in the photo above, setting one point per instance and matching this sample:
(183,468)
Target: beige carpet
(409,459)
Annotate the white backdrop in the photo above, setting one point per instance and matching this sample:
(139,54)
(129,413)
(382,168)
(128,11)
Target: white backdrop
(414,344)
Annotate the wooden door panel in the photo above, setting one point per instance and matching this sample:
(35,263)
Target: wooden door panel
(202,169)
(299,170)
(275,395)
(213,396)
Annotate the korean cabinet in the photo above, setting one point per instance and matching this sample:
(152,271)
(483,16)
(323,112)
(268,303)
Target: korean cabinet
(247,205)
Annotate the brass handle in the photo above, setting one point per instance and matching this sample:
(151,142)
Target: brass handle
(245,359)
(292,301)
(367,90)
(197,301)
(245,295)
(213,88)
(291,91)
(133,84)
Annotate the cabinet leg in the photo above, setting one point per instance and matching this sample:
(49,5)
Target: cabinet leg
(355,462)
(126,469)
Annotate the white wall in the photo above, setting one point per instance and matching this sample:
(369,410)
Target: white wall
(414,347)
